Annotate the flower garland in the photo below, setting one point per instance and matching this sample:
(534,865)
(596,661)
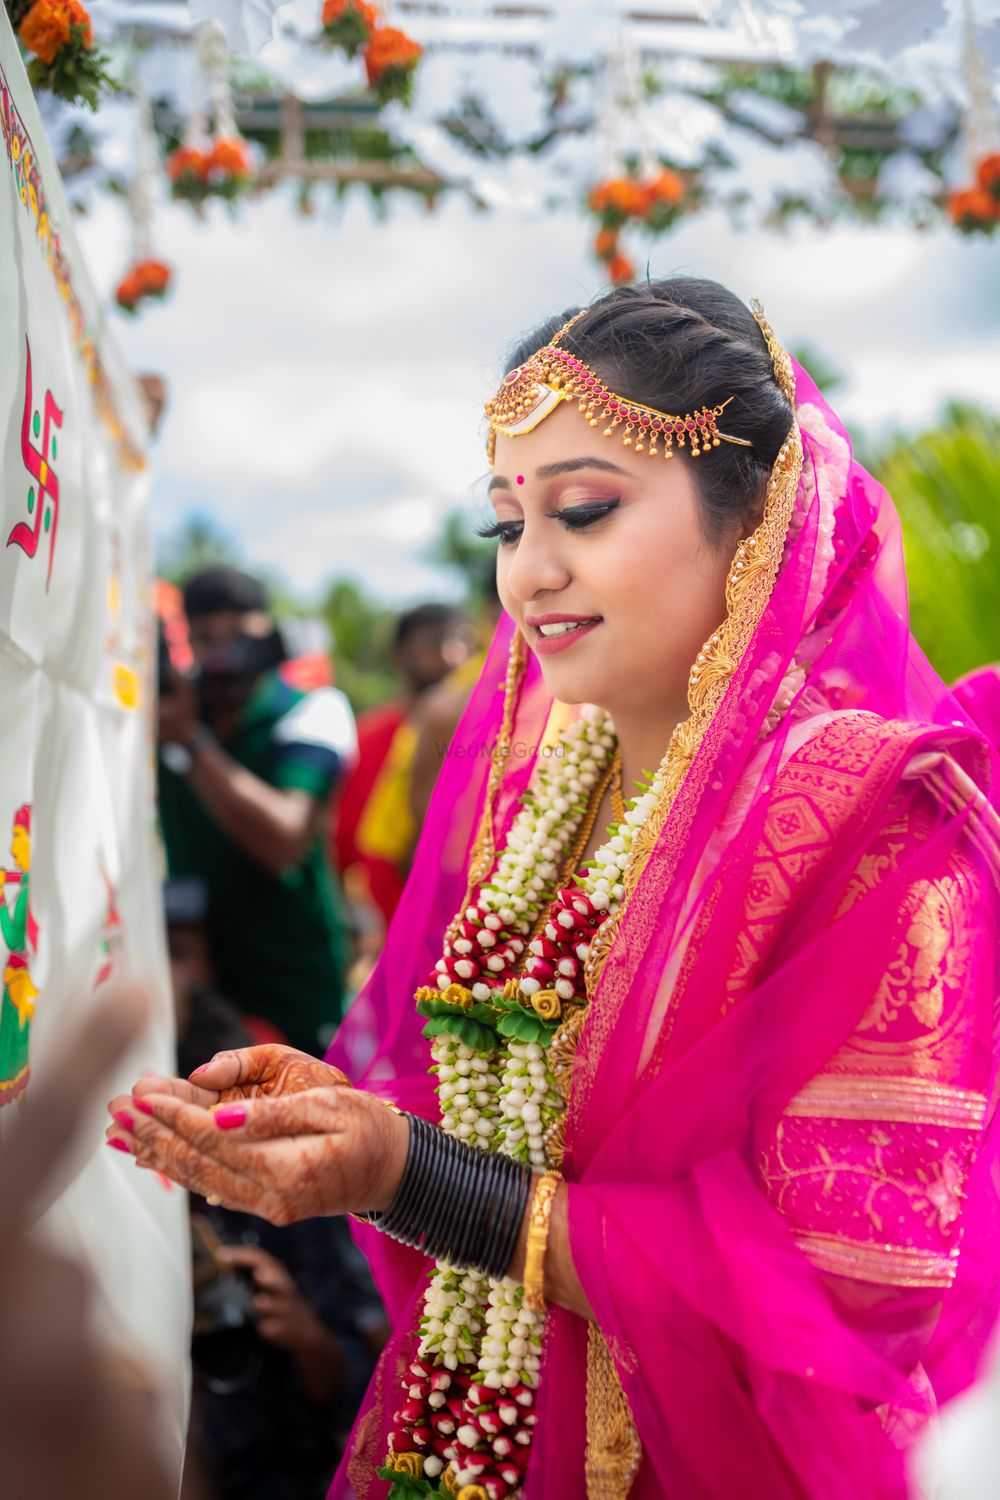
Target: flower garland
(66,62)
(390,56)
(976,210)
(146,279)
(656,201)
(221,167)
(497,1036)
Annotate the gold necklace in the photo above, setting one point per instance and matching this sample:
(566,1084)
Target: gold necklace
(617,796)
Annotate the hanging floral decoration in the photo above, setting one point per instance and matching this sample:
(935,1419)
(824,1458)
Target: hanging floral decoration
(187,170)
(65,61)
(217,166)
(146,279)
(391,59)
(655,202)
(230,166)
(976,210)
(390,56)
(349,24)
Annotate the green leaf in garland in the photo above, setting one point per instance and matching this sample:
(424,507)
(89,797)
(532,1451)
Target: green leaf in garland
(405,1486)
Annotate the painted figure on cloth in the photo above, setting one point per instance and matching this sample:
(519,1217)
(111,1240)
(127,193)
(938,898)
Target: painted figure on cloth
(39,450)
(112,932)
(19,931)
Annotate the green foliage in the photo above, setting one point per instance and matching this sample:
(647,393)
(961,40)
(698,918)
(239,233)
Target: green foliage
(403,1487)
(78,73)
(361,630)
(945,483)
(822,369)
(458,547)
(198,543)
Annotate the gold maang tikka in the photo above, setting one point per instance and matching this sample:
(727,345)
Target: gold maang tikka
(529,393)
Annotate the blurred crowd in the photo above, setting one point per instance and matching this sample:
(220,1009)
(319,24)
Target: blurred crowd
(288,825)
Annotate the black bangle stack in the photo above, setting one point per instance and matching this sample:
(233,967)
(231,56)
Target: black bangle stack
(456,1203)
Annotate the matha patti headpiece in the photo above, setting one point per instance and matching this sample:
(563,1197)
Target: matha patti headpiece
(533,390)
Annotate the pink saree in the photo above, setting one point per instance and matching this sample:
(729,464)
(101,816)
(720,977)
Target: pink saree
(781,1142)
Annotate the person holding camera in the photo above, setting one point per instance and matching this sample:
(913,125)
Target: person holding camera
(246,767)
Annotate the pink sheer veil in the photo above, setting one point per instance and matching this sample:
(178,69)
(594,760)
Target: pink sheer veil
(747,1369)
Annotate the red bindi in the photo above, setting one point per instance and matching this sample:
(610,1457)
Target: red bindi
(520,478)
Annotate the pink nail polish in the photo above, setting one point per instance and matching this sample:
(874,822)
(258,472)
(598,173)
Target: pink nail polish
(143,1106)
(119,1145)
(230,1116)
(200,1069)
(125,1120)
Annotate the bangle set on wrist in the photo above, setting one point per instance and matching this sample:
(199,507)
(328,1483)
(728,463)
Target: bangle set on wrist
(458,1204)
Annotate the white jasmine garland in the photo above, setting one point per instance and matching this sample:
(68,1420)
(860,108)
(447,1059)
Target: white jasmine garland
(508,1099)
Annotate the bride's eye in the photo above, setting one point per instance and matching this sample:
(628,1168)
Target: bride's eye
(578,517)
(506,531)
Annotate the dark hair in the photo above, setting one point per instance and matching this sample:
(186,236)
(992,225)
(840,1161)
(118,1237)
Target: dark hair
(223,588)
(678,345)
(428,616)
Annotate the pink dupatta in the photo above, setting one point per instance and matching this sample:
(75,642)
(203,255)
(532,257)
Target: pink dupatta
(781,1145)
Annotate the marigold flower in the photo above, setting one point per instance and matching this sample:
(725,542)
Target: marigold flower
(230,156)
(972,208)
(390,48)
(988,174)
(187,160)
(335,10)
(606,244)
(45,30)
(147,278)
(666,187)
(620,268)
(622,195)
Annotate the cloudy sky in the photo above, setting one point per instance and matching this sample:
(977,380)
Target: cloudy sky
(327,374)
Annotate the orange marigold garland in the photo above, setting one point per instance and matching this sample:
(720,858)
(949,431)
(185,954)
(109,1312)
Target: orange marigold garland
(391,59)
(655,202)
(621,269)
(187,169)
(230,166)
(146,279)
(988,175)
(65,61)
(349,24)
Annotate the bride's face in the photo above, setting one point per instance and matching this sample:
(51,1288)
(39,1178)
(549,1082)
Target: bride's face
(594,533)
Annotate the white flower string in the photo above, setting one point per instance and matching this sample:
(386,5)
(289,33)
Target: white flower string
(465,1425)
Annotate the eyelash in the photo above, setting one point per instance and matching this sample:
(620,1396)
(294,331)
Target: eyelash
(507,532)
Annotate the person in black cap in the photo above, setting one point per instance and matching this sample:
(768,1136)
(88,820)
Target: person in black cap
(247,765)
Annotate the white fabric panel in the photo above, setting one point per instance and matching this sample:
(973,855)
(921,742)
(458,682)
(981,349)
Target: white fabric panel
(76,747)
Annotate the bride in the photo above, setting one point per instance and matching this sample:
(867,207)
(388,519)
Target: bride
(686,1019)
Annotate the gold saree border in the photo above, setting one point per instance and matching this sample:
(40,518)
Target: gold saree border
(884,1263)
(912,1100)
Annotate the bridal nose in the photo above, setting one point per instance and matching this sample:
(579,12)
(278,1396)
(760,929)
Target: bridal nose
(535,570)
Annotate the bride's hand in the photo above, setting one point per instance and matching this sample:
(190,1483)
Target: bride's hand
(243,1074)
(290,1157)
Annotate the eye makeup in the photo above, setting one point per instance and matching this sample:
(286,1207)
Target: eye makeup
(573,517)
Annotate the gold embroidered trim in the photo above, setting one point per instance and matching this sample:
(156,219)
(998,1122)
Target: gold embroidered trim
(614,1451)
(483,850)
(885,1264)
(920,1101)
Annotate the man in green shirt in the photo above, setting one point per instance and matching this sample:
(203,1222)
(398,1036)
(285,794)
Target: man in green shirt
(247,764)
